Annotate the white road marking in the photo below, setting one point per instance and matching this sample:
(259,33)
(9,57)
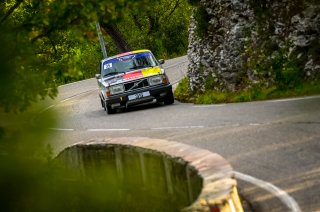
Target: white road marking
(79,94)
(295,99)
(64,100)
(106,130)
(174,65)
(60,129)
(75,82)
(157,128)
(182,127)
(125,129)
(273,101)
(282,195)
(176,82)
(47,108)
(254,124)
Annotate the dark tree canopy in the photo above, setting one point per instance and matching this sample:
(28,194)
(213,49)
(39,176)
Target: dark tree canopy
(42,43)
(48,43)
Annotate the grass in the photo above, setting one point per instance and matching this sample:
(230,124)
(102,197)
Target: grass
(256,93)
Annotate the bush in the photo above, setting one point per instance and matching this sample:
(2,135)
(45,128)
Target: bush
(183,92)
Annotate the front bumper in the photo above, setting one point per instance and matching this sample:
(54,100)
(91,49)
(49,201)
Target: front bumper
(122,100)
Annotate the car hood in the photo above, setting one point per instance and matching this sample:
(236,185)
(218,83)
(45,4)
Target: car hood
(132,75)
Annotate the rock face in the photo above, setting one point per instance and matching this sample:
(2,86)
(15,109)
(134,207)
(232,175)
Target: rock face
(242,40)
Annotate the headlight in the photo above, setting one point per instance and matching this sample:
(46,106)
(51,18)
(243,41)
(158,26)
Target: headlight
(115,89)
(155,80)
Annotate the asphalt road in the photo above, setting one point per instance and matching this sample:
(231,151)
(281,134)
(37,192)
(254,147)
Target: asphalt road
(276,142)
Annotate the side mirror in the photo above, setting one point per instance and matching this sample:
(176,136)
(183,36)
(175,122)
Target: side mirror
(161,61)
(98,76)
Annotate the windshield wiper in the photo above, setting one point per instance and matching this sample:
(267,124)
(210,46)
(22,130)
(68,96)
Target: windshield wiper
(113,73)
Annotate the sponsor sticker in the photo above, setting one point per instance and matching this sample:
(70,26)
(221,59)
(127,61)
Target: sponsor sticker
(132,75)
(151,71)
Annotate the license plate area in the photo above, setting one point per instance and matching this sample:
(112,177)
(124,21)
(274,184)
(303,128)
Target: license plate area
(139,95)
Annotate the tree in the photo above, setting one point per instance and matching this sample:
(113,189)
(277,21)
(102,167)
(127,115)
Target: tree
(50,41)
(41,45)
(117,37)
(162,27)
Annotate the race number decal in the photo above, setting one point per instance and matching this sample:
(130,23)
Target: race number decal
(108,65)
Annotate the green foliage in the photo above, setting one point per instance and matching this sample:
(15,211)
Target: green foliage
(279,64)
(210,82)
(22,157)
(77,59)
(24,76)
(211,97)
(274,66)
(202,19)
(48,43)
(194,2)
(30,180)
(182,92)
(288,73)
(55,42)
(162,28)
(256,92)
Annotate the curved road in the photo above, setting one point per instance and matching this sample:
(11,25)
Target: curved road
(277,143)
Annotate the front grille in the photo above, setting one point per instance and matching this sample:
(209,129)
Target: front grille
(141,83)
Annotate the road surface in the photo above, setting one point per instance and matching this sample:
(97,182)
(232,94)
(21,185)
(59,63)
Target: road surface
(276,142)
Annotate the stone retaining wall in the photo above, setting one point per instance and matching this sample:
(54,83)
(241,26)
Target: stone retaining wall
(240,37)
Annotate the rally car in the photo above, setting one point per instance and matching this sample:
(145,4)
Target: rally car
(132,78)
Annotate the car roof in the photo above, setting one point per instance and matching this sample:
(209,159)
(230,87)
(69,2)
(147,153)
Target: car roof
(126,53)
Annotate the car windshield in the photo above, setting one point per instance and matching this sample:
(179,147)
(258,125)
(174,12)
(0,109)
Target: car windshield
(127,63)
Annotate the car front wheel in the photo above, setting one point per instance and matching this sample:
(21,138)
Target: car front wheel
(102,104)
(109,109)
(169,98)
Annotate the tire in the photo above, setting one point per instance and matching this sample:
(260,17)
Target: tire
(109,110)
(102,104)
(169,100)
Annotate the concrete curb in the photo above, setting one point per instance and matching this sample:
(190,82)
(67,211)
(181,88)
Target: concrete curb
(219,187)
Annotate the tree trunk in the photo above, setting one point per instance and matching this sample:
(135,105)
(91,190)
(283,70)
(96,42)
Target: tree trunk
(117,37)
